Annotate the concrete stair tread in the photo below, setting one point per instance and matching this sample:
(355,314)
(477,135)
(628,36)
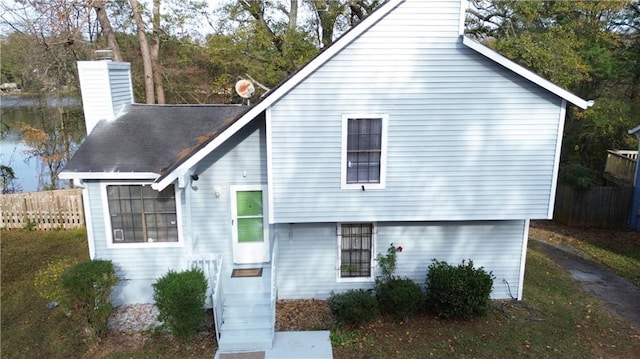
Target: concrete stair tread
(253,324)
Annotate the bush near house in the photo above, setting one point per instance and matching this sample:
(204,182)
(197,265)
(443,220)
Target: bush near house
(458,292)
(353,307)
(87,287)
(400,297)
(180,298)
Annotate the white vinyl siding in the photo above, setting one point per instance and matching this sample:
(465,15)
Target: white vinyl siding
(106,87)
(205,226)
(239,161)
(307,257)
(136,267)
(467,138)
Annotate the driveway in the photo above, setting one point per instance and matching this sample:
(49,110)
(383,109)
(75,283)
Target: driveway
(621,297)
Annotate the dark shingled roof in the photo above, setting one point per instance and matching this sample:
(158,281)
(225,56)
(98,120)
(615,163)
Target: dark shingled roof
(151,138)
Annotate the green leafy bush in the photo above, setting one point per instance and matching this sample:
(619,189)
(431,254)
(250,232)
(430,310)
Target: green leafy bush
(353,307)
(180,298)
(87,287)
(458,292)
(401,297)
(388,262)
(398,296)
(578,176)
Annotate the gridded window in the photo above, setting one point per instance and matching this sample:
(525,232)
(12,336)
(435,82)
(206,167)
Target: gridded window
(364,150)
(140,214)
(356,242)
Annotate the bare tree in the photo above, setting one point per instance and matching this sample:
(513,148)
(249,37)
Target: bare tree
(155,53)
(107,31)
(145,51)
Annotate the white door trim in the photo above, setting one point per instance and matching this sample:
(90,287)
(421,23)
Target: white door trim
(246,253)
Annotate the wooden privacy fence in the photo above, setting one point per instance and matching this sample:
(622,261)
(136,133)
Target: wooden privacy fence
(45,210)
(600,206)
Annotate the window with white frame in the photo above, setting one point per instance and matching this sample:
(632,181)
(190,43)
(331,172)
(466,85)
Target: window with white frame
(139,214)
(364,151)
(356,247)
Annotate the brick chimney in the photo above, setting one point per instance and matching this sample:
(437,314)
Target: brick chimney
(106,87)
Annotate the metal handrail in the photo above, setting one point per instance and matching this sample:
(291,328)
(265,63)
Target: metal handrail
(274,284)
(216,299)
(211,265)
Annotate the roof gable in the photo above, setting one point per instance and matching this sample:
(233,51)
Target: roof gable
(524,72)
(283,88)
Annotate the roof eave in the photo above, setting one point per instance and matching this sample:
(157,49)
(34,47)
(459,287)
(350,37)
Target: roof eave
(108,175)
(526,73)
(635,131)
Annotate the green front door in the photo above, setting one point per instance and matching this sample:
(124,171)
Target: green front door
(250,216)
(251,243)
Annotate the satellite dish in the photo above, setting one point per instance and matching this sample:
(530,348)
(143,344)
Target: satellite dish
(245,88)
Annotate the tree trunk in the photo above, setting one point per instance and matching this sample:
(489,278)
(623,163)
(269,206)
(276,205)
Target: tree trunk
(293,15)
(107,30)
(155,52)
(146,53)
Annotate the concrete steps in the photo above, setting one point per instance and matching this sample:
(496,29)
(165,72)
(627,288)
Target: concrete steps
(247,323)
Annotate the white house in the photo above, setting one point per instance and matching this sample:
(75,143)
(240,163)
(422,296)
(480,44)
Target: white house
(403,131)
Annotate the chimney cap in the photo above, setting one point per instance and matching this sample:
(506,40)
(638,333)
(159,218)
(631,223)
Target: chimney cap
(105,54)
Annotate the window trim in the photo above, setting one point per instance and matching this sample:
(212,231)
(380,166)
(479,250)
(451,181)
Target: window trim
(383,151)
(107,219)
(374,234)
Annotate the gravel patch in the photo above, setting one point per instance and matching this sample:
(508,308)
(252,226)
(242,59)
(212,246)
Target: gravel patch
(134,318)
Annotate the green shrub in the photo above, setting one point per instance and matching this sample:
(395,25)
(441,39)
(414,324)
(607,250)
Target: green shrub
(458,291)
(578,176)
(180,298)
(87,287)
(401,297)
(388,262)
(353,307)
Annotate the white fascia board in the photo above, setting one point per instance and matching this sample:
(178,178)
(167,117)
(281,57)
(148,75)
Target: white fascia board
(556,163)
(278,93)
(527,74)
(635,131)
(109,175)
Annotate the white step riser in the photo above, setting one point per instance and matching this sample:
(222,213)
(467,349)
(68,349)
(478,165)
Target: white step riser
(245,347)
(245,340)
(230,326)
(241,299)
(244,311)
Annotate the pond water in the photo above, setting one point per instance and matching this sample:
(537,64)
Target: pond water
(31,173)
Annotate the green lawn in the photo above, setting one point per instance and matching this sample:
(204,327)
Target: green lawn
(569,323)
(619,250)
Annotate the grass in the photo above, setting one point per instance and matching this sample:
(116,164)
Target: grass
(618,250)
(569,324)
(30,330)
